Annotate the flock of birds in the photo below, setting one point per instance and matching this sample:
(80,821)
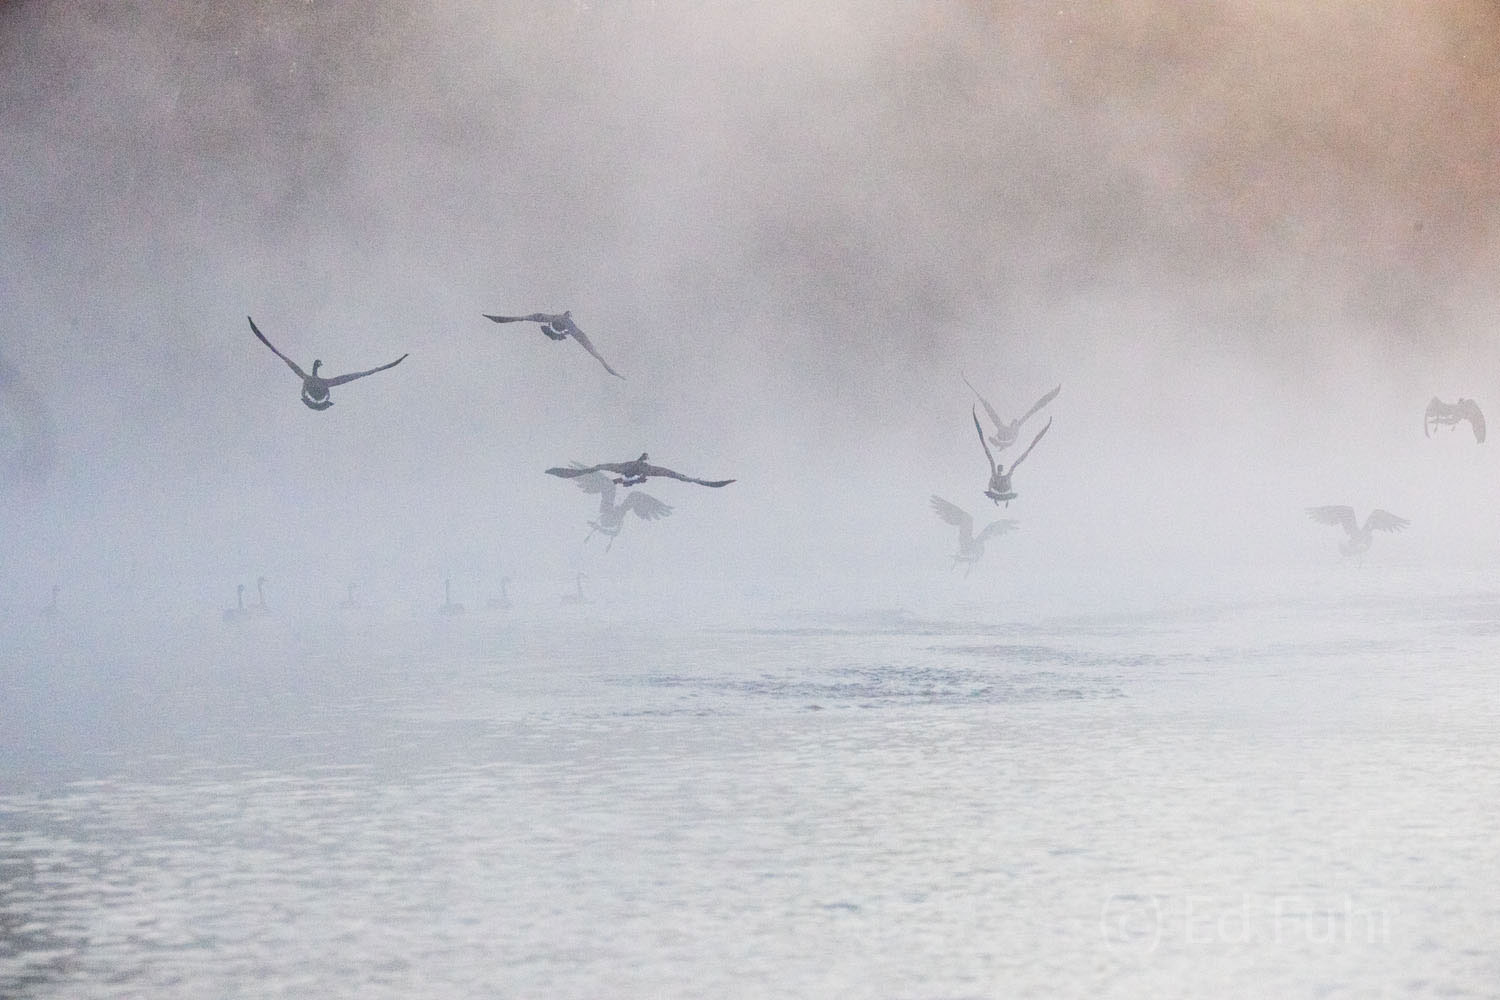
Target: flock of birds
(604,479)
(601,479)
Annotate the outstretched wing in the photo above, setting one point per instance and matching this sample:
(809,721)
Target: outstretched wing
(1471,410)
(996,528)
(956,516)
(572,328)
(1039,404)
(1336,515)
(341,379)
(575,471)
(290,363)
(595,482)
(646,507)
(533,318)
(1032,445)
(982,443)
(984,402)
(1434,410)
(1384,520)
(656,470)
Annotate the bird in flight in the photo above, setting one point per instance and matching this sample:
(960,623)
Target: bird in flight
(1360,536)
(633,473)
(1000,489)
(970,545)
(1006,433)
(314,386)
(611,514)
(1441,414)
(558,327)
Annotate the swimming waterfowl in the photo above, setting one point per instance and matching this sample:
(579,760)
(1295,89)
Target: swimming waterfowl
(448,607)
(1360,536)
(501,603)
(1006,433)
(633,473)
(612,515)
(50,609)
(260,608)
(239,612)
(314,386)
(1444,414)
(349,603)
(970,545)
(558,326)
(577,596)
(1000,489)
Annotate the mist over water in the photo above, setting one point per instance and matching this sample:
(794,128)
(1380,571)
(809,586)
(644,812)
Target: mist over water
(1250,241)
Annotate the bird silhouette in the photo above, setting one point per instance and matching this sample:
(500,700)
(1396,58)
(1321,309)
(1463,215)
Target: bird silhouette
(1006,433)
(1441,414)
(1000,489)
(239,612)
(633,473)
(50,609)
(448,607)
(970,545)
(611,514)
(576,597)
(559,326)
(260,608)
(1361,536)
(314,386)
(501,603)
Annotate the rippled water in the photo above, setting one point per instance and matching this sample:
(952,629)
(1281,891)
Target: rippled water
(1268,800)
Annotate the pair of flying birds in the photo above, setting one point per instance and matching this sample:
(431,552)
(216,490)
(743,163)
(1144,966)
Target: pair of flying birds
(315,387)
(1000,488)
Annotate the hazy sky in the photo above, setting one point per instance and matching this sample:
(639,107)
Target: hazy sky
(1249,239)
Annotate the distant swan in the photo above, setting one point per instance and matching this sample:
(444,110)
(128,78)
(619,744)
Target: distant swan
(349,603)
(612,515)
(1006,433)
(1000,489)
(970,545)
(240,612)
(448,607)
(633,472)
(50,609)
(501,603)
(559,326)
(577,596)
(315,387)
(1441,414)
(1360,536)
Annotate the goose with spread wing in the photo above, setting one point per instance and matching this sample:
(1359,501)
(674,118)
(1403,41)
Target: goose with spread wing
(1441,414)
(1006,433)
(634,472)
(970,545)
(314,386)
(1361,536)
(559,326)
(611,514)
(1000,489)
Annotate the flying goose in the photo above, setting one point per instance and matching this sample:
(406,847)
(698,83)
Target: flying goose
(315,387)
(970,546)
(1360,536)
(611,514)
(1440,413)
(558,327)
(1000,486)
(1006,433)
(633,473)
